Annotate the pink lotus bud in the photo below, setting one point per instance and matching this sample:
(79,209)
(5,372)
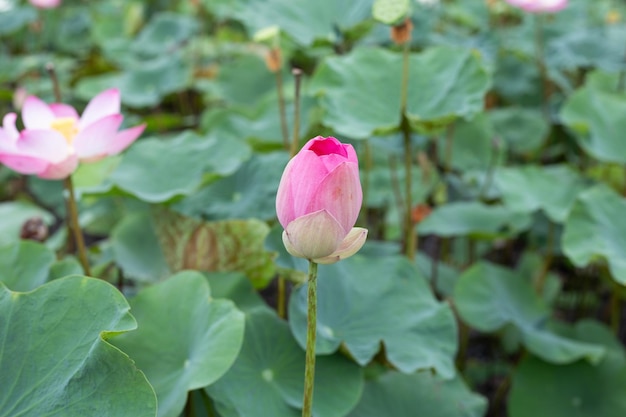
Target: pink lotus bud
(539,6)
(45,4)
(318,201)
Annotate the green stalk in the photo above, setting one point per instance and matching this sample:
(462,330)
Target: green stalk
(409,229)
(311,330)
(72,215)
(281,302)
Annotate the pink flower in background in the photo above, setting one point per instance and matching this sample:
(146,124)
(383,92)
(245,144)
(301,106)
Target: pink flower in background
(55,138)
(45,4)
(318,201)
(538,6)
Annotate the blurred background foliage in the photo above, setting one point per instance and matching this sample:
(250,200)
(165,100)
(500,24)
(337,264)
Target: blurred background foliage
(513,304)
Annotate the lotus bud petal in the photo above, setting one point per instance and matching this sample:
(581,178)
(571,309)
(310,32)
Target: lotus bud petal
(318,201)
(348,247)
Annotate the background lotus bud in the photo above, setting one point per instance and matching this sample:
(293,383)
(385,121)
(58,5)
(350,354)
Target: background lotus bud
(45,4)
(318,201)
(539,6)
(19,97)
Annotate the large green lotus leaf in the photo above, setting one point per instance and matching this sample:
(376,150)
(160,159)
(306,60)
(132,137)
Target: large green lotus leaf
(391,12)
(472,145)
(595,116)
(243,80)
(394,394)
(365,302)
(524,130)
(144,82)
(114,22)
(360,100)
(591,46)
(54,357)
(236,287)
(16,18)
(185,339)
(529,188)
(305,21)
(578,389)
(440,274)
(250,192)
(64,268)
(148,81)
(182,162)
(595,230)
(269,375)
(13,214)
(73,35)
(446,83)
(25,265)
(474,219)
(489,297)
(261,128)
(166,31)
(136,248)
(516,79)
(222,246)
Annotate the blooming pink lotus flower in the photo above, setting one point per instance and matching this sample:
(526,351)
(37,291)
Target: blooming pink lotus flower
(318,201)
(45,4)
(55,138)
(539,6)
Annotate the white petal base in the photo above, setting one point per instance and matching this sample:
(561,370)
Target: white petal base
(348,247)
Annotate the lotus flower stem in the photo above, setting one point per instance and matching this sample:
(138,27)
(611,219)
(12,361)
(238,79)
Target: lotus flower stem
(297,74)
(409,227)
(55,81)
(72,215)
(311,330)
(281,301)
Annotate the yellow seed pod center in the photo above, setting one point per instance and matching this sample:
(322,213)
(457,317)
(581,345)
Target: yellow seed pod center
(65,126)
